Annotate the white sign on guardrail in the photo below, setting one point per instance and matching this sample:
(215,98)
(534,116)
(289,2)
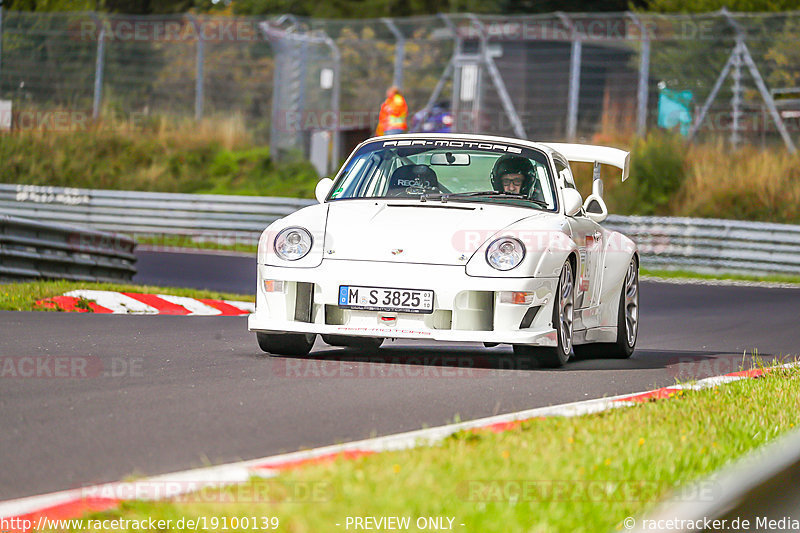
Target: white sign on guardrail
(5,115)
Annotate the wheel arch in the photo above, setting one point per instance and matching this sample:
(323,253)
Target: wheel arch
(614,278)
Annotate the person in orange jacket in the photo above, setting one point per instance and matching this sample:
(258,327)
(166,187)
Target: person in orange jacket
(392,118)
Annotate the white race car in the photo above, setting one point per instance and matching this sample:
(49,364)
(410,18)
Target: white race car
(446,237)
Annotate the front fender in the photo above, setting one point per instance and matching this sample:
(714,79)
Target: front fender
(313,218)
(619,250)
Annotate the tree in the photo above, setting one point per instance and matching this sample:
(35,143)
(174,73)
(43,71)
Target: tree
(130,7)
(702,6)
(363,8)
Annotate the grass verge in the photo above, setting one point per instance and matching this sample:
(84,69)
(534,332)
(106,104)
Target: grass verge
(186,241)
(23,296)
(685,274)
(214,156)
(553,474)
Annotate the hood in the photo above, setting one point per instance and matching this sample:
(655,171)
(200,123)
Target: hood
(414,232)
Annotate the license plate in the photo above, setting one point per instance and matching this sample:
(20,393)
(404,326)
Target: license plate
(386,299)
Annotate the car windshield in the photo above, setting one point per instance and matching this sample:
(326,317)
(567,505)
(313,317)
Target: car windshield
(447,170)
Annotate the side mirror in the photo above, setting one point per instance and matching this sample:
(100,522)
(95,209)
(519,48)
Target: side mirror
(572,202)
(322,189)
(595,208)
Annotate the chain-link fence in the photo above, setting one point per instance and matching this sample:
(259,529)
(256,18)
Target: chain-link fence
(316,85)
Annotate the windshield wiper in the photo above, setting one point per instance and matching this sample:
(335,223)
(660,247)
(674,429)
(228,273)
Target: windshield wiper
(445,197)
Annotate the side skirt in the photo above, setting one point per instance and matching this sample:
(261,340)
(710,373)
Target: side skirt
(601,334)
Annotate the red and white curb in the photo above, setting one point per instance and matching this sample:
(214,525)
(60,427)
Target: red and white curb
(32,511)
(145,304)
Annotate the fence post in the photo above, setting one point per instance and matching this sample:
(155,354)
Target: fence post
(497,79)
(277,38)
(448,71)
(199,75)
(574,78)
(736,97)
(98,73)
(741,54)
(337,60)
(642,93)
(644,77)
(455,107)
(399,52)
(1,47)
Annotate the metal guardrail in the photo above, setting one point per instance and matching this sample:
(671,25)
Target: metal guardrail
(664,242)
(219,217)
(712,244)
(32,249)
(758,493)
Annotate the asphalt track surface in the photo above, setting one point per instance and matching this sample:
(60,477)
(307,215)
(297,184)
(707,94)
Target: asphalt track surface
(155,394)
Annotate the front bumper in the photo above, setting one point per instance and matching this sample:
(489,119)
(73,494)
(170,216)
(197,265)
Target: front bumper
(466,308)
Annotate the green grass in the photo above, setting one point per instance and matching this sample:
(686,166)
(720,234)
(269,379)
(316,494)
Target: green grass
(186,241)
(181,159)
(680,274)
(23,296)
(638,454)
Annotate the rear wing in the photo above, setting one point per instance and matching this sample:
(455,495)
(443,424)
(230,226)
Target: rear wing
(590,153)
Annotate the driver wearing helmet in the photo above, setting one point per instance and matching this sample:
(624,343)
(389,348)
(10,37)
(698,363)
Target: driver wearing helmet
(514,174)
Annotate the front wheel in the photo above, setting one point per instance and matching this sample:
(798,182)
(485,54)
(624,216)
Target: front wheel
(297,344)
(563,309)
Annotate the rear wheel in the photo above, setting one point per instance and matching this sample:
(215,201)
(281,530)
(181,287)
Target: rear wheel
(361,343)
(286,343)
(627,321)
(563,309)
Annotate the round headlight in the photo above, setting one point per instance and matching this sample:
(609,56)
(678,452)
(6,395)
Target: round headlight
(505,253)
(292,244)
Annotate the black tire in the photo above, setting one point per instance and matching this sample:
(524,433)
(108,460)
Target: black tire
(297,344)
(625,344)
(563,309)
(361,343)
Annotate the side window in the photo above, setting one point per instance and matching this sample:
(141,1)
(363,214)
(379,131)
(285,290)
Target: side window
(565,174)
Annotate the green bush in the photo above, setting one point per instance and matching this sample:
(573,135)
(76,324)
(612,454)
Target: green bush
(657,171)
(253,171)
